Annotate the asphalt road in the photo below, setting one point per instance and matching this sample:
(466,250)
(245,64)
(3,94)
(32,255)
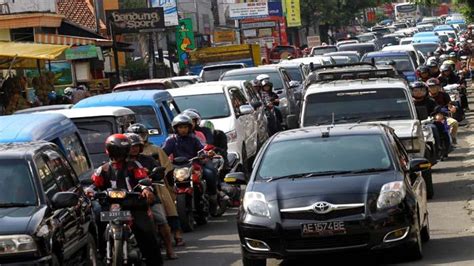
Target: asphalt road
(451,221)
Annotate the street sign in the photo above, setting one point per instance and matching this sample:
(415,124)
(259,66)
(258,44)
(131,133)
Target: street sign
(248,10)
(313,41)
(171,11)
(135,20)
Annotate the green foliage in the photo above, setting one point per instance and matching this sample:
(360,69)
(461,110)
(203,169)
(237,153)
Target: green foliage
(128,4)
(136,69)
(466,7)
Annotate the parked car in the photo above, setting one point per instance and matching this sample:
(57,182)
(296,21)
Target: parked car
(282,85)
(363,193)
(55,128)
(182,81)
(225,105)
(213,72)
(146,84)
(280,52)
(153,108)
(353,56)
(406,40)
(44,108)
(361,48)
(322,49)
(403,62)
(45,216)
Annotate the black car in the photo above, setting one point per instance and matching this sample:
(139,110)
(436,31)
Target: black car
(45,217)
(317,190)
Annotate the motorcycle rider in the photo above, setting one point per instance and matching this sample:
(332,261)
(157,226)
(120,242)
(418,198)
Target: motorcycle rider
(441,98)
(434,67)
(219,140)
(207,132)
(185,144)
(124,174)
(447,76)
(159,213)
(271,102)
(423,73)
(196,120)
(168,200)
(469,35)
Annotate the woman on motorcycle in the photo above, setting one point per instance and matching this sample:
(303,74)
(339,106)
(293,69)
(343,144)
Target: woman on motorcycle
(196,118)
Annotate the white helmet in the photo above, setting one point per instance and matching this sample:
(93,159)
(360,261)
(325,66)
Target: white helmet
(262,77)
(68,91)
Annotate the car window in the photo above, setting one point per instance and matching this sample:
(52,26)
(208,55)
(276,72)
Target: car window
(146,115)
(275,77)
(166,118)
(316,155)
(286,77)
(237,99)
(173,107)
(47,178)
(61,171)
(94,134)
(210,106)
(214,73)
(16,183)
(76,153)
(252,95)
(295,73)
(401,153)
(403,63)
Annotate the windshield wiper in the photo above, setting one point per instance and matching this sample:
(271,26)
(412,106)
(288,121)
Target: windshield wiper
(306,175)
(370,170)
(385,117)
(15,204)
(343,119)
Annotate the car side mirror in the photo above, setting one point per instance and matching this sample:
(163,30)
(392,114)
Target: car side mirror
(294,84)
(63,200)
(237,178)
(419,164)
(246,109)
(256,105)
(292,121)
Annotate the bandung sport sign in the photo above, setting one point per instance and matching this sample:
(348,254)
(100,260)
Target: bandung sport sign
(136,20)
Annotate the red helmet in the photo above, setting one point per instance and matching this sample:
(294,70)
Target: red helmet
(117,146)
(451,40)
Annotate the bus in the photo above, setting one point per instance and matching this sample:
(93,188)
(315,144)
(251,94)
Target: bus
(407,11)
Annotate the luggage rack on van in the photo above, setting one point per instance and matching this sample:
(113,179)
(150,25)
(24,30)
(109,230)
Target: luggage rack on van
(362,70)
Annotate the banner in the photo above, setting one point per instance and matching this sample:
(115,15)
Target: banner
(185,41)
(135,20)
(224,36)
(293,15)
(248,10)
(275,9)
(82,52)
(170,9)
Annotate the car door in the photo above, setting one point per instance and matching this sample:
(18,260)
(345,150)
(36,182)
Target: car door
(244,123)
(71,220)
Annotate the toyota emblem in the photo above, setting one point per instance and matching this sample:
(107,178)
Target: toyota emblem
(322,207)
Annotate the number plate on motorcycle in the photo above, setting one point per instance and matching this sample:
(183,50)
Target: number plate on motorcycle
(323,229)
(115,216)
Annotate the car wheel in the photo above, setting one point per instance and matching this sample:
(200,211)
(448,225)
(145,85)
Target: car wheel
(428,177)
(91,251)
(415,250)
(425,232)
(186,216)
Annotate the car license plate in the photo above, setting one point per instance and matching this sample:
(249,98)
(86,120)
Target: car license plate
(115,216)
(323,229)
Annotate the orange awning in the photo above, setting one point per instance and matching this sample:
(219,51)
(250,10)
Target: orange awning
(70,40)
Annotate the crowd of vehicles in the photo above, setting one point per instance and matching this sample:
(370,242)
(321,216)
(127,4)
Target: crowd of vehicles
(361,146)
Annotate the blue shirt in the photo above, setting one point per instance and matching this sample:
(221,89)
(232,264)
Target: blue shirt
(179,146)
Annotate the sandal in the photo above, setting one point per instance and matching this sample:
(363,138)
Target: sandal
(172,256)
(179,242)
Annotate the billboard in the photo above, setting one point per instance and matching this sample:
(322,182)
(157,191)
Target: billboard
(248,10)
(293,15)
(185,41)
(136,20)
(170,9)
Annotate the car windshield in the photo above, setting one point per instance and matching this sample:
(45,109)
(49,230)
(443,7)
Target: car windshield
(361,49)
(146,115)
(364,38)
(214,73)
(210,106)
(154,86)
(295,73)
(275,77)
(341,59)
(94,135)
(403,64)
(353,106)
(357,153)
(426,48)
(16,185)
(321,51)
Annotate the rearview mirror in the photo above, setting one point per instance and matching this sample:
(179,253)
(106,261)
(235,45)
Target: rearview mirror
(237,178)
(246,109)
(292,121)
(63,200)
(419,164)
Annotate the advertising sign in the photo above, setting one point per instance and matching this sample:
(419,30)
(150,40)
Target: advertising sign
(248,10)
(224,36)
(82,52)
(135,20)
(275,9)
(170,9)
(293,15)
(185,41)
(313,41)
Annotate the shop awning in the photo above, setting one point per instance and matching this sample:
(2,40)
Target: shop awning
(70,40)
(31,50)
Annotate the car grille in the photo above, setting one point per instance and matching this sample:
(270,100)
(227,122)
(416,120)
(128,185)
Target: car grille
(339,241)
(310,215)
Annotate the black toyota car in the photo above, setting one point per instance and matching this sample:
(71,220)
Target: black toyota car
(316,190)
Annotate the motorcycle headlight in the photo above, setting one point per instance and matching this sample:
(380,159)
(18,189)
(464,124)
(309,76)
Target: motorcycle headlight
(391,194)
(117,194)
(15,244)
(255,204)
(181,174)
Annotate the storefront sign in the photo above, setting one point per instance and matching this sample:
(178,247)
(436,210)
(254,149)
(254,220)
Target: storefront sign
(185,41)
(256,25)
(248,10)
(313,41)
(293,15)
(275,9)
(82,52)
(170,9)
(224,36)
(135,20)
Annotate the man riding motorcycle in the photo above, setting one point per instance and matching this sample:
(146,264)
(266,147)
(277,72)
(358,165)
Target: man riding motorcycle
(432,63)
(196,118)
(441,98)
(185,144)
(124,174)
(423,73)
(197,122)
(447,76)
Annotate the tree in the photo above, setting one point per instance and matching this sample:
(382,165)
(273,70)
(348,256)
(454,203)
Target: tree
(466,7)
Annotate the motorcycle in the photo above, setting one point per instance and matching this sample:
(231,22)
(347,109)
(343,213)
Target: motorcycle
(192,201)
(121,245)
(431,149)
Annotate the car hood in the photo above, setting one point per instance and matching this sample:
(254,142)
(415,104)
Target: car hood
(337,190)
(23,220)
(403,128)
(224,124)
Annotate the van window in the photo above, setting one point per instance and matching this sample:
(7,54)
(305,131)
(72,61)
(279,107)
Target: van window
(76,154)
(237,99)
(147,116)
(16,184)
(174,108)
(47,178)
(60,170)
(252,95)
(166,119)
(94,135)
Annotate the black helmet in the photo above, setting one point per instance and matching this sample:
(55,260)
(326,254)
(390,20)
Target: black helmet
(423,69)
(417,85)
(139,129)
(117,146)
(135,139)
(182,119)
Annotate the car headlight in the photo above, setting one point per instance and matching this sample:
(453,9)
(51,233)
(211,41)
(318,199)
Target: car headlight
(231,136)
(16,244)
(181,174)
(391,194)
(255,204)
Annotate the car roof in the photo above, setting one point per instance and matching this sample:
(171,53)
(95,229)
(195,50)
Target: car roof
(191,77)
(424,34)
(90,112)
(142,82)
(261,69)
(213,87)
(342,53)
(404,47)
(32,127)
(44,108)
(425,43)
(355,84)
(305,60)
(20,150)
(443,27)
(124,98)
(386,53)
(357,45)
(337,130)
(210,66)
(324,46)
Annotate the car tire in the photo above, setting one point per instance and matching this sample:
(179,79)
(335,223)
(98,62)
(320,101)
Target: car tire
(91,251)
(186,217)
(414,251)
(428,177)
(425,232)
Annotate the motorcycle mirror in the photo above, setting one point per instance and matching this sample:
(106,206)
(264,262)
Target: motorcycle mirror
(237,178)
(157,173)
(145,182)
